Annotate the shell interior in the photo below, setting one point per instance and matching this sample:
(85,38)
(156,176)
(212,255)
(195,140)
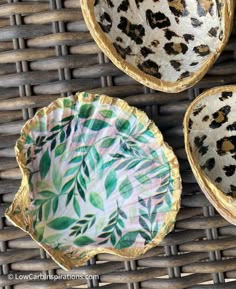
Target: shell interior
(169,40)
(212,138)
(100,177)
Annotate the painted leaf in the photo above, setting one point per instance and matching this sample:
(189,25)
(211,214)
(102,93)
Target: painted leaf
(55,205)
(56,178)
(47,194)
(96,200)
(95,124)
(86,110)
(67,186)
(83,241)
(39,231)
(127,240)
(107,113)
(44,165)
(47,209)
(76,207)
(60,149)
(123,125)
(126,188)
(61,223)
(143,179)
(110,182)
(71,171)
(76,160)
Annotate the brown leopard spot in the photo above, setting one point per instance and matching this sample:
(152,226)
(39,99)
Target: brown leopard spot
(206,118)
(135,32)
(172,48)
(178,7)
(226,145)
(145,51)
(155,43)
(202,50)
(157,20)
(122,51)
(150,67)
(220,117)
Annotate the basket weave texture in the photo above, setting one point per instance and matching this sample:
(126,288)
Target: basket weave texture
(46,52)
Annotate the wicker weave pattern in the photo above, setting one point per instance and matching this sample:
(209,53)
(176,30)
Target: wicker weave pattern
(46,52)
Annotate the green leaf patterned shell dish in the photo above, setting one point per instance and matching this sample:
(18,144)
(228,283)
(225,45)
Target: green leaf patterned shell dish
(167,45)
(210,141)
(97,178)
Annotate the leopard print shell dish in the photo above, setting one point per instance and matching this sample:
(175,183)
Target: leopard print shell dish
(167,45)
(210,142)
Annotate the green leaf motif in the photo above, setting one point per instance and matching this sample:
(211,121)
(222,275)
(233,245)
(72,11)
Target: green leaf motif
(95,124)
(67,186)
(39,231)
(86,110)
(108,142)
(47,194)
(107,113)
(123,125)
(61,223)
(127,240)
(60,149)
(96,200)
(126,188)
(56,178)
(44,165)
(29,139)
(76,160)
(76,207)
(83,241)
(110,182)
(143,179)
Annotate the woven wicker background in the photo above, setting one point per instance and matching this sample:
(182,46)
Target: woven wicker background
(45,52)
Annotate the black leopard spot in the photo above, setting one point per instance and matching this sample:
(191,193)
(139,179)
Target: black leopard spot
(226,145)
(198,110)
(202,50)
(110,3)
(209,164)
(157,20)
(218,180)
(150,67)
(169,34)
(190,124)
(205,7)
(226,95)
(206,118)
(213,31)
(220,117)
(122,51)
(231,126)
(119,39)
(96,2)
(172,48)
(195,22)
(199,143)
(229,170)
(135,32)
(145,51)
(105,22)
(233,188)
(155,43)
(184,75)
(178,7)
(194,64)
(138,2)
(188,37)
(176,64)
(124,5)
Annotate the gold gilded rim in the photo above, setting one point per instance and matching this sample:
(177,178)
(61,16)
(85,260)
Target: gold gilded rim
(225,205)
(22,200)
(105,45)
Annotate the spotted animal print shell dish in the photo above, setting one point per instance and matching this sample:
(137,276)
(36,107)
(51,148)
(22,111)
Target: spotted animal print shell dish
(167,45)
(210,141)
